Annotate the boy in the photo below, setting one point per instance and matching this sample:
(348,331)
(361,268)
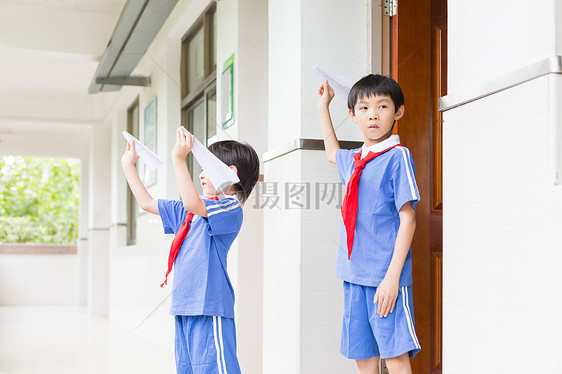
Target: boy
(379,223)
(205,227)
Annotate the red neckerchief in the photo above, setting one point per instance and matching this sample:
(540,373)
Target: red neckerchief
(178,241)
(349,206)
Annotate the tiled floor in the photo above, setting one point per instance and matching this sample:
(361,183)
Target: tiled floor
(65,340)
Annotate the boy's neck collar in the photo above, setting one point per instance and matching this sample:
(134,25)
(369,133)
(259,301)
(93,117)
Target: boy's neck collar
(220,196)
(391,141)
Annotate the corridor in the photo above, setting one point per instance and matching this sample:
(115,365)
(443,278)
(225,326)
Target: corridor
(65,340)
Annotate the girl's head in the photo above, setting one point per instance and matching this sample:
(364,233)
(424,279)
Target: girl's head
(246,161)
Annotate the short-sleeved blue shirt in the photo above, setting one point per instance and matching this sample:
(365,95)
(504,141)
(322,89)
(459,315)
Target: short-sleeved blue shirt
(201,284)
(386,184)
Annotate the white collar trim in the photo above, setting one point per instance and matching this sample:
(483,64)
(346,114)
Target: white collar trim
(391,141)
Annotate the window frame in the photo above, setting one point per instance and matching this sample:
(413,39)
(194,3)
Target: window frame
(200,94)
(132,208)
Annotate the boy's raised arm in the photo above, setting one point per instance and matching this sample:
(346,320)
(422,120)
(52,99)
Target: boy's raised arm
(144,199)
(189,195)
(328,133)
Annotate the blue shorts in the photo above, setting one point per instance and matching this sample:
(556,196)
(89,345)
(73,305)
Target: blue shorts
(365,334)
(206,345)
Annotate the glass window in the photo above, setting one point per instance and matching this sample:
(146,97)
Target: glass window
(195,61)
(211,113)
(213,40)
(196,125)
(199,102)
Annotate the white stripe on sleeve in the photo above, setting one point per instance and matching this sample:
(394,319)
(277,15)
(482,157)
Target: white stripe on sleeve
(214,209)
(409,173)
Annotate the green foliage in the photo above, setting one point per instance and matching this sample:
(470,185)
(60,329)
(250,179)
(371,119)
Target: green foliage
(39,200)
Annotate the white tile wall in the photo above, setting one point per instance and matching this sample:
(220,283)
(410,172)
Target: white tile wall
(452,165)
(555,120)
(506,39)
(501,238)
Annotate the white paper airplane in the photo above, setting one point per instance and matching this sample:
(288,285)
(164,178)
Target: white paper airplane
(150,159)
(218,172)
(340,82)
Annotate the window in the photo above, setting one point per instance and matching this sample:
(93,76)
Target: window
(132,208)
(39,200)
(198,77)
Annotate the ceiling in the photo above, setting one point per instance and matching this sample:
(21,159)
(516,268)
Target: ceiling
(49,52)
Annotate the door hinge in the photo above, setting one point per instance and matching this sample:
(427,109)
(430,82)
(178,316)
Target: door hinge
(390,7)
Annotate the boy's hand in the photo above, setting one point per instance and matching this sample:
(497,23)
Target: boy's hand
(386,295)
(326,94)
(184,145)
(130,156)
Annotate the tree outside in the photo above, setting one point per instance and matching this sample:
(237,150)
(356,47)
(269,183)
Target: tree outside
(39,200)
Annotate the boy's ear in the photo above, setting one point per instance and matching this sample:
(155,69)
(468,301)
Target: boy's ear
(399,113)
(234,168)
(352,116)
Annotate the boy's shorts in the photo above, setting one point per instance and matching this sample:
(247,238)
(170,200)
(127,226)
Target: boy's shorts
(365,334)
(206,345)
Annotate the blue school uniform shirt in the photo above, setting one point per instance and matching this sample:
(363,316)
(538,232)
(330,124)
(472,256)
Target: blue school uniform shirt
(386,184)
(201,284)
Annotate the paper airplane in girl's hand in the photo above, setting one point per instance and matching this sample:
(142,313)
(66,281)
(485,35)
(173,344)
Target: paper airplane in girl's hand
(340,82)
(218,172)
(150,159)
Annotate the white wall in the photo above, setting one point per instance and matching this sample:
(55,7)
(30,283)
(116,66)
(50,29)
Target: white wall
(330,33)
(34,279)
(501,242)
(501,218)
(507,38)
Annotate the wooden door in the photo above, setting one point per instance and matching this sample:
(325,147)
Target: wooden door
(419,64)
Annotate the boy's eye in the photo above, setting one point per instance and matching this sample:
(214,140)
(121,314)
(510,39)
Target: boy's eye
(363,108)
(383,106)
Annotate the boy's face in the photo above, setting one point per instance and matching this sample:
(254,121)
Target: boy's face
(375,116)
(206,185)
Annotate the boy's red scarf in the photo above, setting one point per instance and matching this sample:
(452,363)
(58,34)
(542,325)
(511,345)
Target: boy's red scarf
(349,206)
(178,241)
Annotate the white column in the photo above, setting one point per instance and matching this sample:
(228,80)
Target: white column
(242,31)
(99,210)
(119,188)
(303,301)
(251,108)
(83,243)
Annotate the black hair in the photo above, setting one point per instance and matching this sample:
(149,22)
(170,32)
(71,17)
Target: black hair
(375,84)
(247,163)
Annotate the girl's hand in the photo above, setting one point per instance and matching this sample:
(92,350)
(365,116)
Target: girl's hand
(184,145)
(130,156)
(326,94)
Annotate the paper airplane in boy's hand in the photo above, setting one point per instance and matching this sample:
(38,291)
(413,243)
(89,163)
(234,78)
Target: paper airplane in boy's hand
(340,82)
(218,172)
(150,159)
